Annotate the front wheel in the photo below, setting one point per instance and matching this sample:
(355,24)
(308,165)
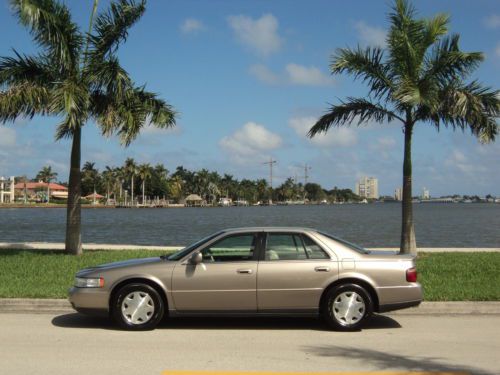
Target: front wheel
(347,307)
(138,307)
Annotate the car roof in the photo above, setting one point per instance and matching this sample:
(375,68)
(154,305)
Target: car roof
(268,229)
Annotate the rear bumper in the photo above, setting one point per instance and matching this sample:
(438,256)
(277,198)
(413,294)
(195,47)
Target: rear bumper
(89,301)
(399,297)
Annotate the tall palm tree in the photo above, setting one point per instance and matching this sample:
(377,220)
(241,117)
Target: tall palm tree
(145,172)
(420,78)
(130,169)
(109,180)
(47,175)
(77,77)
(90,177)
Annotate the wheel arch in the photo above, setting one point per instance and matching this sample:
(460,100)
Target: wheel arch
(156,284)
(351,280)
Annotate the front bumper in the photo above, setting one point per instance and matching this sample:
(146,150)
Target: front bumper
(91,301)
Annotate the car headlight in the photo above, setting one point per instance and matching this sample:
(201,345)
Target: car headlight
(89,282)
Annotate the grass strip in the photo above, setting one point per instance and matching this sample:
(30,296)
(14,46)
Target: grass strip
(49,274)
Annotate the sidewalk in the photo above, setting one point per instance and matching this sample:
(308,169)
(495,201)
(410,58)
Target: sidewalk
(62,306)
(94,246)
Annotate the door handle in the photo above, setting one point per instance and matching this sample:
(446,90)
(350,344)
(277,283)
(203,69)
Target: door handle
(247,271)
(322,269)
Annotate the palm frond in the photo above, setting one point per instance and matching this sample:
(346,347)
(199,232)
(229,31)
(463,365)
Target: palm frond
(20,69)
(52,28)
(111,27)
(367,64)
(127,116)
(354,110)
(24,100)
(470,106)
(109,76)
(447,63)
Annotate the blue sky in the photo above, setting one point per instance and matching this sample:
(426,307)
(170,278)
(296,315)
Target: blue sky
(248,79)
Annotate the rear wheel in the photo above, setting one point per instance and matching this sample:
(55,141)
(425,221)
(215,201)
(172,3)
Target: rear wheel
(347,307)
(138,307)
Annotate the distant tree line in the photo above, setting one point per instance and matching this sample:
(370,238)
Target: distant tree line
(145,182)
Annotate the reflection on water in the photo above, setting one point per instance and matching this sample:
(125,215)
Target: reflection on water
(375,225)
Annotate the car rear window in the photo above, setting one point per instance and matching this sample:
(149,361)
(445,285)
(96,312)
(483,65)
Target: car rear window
(347,244)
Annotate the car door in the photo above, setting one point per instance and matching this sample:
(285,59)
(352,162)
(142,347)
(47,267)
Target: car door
(225,280)
(292,273)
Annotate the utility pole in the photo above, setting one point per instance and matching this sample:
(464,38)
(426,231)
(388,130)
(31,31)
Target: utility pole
(306,175)
(270,162)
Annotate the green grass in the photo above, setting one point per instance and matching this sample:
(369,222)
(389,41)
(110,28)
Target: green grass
(49,274)
(460,276)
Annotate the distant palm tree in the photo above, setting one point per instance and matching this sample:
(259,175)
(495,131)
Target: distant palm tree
(47,175)
(130,169)
(109,179)
(144,171)
(90,177)
(77,77)
(420,77)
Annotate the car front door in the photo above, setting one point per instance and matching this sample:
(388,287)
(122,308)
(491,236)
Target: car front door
(292,273)
(225,280)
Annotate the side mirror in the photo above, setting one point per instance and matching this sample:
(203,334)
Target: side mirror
(196,258)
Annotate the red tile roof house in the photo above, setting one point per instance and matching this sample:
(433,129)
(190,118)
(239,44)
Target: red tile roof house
(32,188)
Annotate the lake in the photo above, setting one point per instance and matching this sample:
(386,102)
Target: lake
(370,225)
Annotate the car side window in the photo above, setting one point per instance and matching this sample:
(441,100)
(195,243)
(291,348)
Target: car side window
(313,250)
(284,247)
(231,249)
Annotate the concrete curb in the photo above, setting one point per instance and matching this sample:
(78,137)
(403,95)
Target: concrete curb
(96,246)
(62,306)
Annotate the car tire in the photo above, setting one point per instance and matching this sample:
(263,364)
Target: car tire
(137,307)
(346,307)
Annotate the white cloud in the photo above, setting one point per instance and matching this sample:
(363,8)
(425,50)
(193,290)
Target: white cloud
(309,76)
(370,35)
(7,137)
(264,74)
(250,142)
(492,21)
(260,35)
(192,26)
(336,136)
(151,130)
(293,74)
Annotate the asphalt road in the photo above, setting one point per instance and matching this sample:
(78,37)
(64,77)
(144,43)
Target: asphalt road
(74,344)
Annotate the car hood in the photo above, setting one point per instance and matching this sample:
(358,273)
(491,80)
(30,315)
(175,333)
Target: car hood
(121,264)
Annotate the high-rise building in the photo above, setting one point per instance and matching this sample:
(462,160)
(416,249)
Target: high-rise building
(398,194)
(367,187)
(426,194)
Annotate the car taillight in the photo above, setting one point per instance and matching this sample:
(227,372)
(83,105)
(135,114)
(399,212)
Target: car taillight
(411,275)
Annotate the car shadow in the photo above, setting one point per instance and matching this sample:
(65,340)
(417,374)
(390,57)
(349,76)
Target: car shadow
(75,320)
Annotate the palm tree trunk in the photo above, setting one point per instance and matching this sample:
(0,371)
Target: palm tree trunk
(143,187)
(48,190)
(73,219)
(408,242)
(132,192)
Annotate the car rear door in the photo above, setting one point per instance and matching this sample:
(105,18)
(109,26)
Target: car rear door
(226,280)
(292,273)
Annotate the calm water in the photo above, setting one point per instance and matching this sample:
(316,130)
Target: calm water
(440,225)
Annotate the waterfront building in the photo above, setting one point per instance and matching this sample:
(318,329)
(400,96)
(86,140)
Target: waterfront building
(34,191)
(367,187)
(398,194)
(7,192)
(426,194)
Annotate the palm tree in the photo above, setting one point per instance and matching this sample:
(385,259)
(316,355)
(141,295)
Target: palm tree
(109,179)
(90,177)
(144,171)
(420,78)
(77,77)
(47,175)
(130,169)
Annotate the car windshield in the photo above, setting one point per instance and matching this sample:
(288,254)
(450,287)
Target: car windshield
(183,252)
(351,246)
